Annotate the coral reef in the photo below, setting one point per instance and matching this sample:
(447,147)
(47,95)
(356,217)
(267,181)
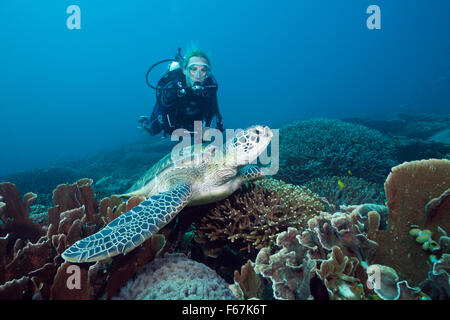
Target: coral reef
(31,266)
(325,147)
(337,275)
(413,189)
(415,137)
(437,285)
(387,286)
(442,136)
(314,241)
(247,284)
(336,249)
(250,219)
(410,149)
(113,171)
(175,277)
(354,190)
(289,270)
(421,126)
(14,216)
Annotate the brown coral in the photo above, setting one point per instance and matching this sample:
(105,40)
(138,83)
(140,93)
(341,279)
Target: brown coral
(14,214)
(32,267)
(338,276)
(247,284)
(410,188)
(251,219)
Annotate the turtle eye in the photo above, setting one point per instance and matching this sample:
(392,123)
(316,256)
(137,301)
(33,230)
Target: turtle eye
(257,131)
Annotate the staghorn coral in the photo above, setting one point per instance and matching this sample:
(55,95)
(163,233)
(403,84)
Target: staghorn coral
(354,191)
(411,189)
(327,147)
(250,219)
(32,268)
(175,277)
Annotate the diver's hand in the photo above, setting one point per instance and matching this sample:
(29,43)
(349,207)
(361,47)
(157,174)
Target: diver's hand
(219,126)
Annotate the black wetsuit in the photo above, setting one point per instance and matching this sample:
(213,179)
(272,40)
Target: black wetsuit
(179,106)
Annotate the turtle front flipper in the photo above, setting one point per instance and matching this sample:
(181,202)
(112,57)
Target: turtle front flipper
(130,229)
(251,172)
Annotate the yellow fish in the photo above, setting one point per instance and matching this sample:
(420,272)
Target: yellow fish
(355,140)
(341,184)
(349,172)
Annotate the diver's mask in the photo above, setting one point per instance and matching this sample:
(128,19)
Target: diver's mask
(198,72)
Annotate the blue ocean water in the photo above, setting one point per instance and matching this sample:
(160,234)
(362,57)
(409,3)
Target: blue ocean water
(70,93)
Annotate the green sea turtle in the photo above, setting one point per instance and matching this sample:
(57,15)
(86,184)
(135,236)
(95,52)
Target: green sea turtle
(209,175)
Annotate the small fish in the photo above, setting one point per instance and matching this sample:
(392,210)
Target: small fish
(350,172)
(355,140)
(341,184)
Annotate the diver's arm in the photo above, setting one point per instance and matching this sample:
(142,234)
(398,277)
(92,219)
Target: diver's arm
(216,113)
(169,95)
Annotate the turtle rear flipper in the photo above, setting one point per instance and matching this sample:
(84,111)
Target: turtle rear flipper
(130,229)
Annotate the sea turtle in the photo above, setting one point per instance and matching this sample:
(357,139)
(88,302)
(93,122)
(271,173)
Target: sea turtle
(173,183)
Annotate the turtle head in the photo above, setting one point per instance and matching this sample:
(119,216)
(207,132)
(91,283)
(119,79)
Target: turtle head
(247,145)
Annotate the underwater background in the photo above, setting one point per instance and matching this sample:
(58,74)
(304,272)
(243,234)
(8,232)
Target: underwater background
(351,104)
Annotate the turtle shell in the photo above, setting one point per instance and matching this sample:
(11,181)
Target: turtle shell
(186,159)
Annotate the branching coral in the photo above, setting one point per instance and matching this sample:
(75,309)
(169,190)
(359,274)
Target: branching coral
(351,191)
(250,219)
(325,147)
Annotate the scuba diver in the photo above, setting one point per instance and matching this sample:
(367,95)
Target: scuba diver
(186,93)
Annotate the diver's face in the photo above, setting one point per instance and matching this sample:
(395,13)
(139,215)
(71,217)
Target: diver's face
(197,70)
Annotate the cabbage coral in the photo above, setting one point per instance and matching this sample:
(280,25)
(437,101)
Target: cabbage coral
(250,219)
(326,147)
